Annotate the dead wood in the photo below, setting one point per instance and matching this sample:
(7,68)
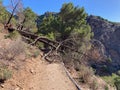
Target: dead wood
(70,77)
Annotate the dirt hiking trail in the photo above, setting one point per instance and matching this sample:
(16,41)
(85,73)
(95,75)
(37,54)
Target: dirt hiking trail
(36,74)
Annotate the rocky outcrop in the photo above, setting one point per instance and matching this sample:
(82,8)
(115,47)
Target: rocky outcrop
(107,37)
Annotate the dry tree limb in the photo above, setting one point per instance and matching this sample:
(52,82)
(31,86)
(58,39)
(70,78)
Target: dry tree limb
(14,6)
(46,55)
(35,41)
(59,45)
(38,38)
(70,77)
(54,44)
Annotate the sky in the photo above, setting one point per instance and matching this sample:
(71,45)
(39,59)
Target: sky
(108,9)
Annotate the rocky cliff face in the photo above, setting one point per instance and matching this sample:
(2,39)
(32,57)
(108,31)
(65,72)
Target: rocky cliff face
(107,39)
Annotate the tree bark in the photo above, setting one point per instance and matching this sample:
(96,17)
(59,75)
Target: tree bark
(13,11)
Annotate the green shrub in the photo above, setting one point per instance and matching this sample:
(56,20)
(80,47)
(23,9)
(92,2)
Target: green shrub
(16,48)
(109,60)
(32,52)
(5,73)
(40,45)
(36,54)
(106,87)
(13,35)
(86,73)
(51,36)
(118,72)
(117,83)
(94,85)
(110,79)
(105,68)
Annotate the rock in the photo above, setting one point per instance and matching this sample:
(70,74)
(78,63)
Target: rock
(2,85)
(107,40)
(32,71)
(18,88)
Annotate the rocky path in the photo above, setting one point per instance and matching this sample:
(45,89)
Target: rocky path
(38,75)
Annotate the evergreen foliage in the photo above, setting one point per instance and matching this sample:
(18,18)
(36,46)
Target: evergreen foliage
(5,73)
(69,27)
(3,14)
(30,18)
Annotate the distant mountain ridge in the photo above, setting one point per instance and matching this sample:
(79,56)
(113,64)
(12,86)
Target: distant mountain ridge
(108,33)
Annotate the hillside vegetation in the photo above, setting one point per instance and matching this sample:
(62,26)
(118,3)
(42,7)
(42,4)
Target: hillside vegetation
(83,43)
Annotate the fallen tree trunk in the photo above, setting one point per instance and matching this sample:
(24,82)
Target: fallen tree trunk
(37,38)
(43,39)
(54,44)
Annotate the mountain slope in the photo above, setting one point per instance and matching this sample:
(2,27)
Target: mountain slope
(33,73)
(38,75)
(107,34)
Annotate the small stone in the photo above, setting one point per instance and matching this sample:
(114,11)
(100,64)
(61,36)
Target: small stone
(32,71)
(2,85)
(18,88)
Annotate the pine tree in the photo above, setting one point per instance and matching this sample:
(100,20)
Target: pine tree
(77,33)
(30,20)
(69,26)
(3,14)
